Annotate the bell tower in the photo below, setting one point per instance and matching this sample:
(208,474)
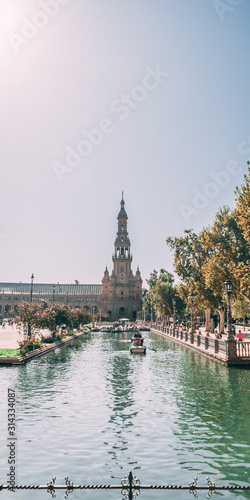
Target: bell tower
(122,291)
(122,257)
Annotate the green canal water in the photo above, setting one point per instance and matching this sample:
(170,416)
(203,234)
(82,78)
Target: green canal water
(93,412)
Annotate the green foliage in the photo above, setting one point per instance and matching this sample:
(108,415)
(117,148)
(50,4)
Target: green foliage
(10,352)
(204,261)
(242,211)
(161,294)
(34,317)
(240,309)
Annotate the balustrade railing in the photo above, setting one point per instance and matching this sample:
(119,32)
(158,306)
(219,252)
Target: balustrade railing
(130,487)
(221,347)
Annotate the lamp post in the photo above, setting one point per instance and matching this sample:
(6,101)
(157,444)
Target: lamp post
(230,336)
(228,287)
(31,287)
(53,296)
(192,311)
(151,315)
(156,317)
(93,315)
(174,315)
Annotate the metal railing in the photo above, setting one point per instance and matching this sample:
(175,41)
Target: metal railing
(130,487)
(220,347)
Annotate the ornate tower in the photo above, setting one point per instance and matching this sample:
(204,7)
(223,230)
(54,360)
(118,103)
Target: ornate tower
(122,258)
(122,291)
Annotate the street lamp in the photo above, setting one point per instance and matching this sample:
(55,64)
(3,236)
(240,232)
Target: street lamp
(174,315)
(228,287)
(53,297)
(31,287)
(231,349)
(93,315)
(192,313)
(151,315)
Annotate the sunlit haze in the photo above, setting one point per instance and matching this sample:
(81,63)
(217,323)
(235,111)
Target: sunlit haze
(98,96)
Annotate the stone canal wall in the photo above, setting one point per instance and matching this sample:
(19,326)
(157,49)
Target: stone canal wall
(227,352)
(20,360)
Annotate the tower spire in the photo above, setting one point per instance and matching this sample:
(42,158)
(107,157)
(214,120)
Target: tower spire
(122,214)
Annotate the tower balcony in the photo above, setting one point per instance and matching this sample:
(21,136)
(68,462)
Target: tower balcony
(122,257)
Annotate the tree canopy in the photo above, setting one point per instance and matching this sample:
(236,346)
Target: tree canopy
(203,261)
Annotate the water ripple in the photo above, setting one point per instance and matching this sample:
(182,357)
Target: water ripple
(93,412)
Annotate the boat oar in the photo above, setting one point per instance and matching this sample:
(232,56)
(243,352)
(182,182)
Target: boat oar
(151,349)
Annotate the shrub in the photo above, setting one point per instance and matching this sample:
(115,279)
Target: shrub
(50,339)
(47,340)
(30,345)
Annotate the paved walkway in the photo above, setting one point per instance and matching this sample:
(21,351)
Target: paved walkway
(9,337)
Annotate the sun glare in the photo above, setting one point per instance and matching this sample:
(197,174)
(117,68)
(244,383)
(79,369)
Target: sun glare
(8,16)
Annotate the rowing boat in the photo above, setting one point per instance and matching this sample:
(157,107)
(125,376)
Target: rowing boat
(137,349)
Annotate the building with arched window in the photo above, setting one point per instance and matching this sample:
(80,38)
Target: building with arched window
(119,295)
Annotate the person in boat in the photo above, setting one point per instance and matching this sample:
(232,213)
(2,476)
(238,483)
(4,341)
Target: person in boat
(141,342)
(136,343)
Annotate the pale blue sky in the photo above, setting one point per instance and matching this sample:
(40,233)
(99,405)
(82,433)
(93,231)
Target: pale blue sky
(69,66)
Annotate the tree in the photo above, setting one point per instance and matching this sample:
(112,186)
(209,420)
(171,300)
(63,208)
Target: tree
(229,253)
(240,310)
(189,257)
(242,216)
(34,317)
(242,211)
(79,318)
(27,319)
(161,292)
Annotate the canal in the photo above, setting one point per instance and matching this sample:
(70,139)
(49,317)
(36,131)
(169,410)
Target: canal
(93,412)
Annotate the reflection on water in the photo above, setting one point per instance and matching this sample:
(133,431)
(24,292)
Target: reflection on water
(93,412)
(214,413)
(122,412)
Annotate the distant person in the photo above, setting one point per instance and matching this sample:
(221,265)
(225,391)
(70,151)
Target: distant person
(240,336)
(217,334)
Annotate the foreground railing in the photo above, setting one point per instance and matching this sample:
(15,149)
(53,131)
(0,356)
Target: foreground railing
(221,347)
(130,487)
